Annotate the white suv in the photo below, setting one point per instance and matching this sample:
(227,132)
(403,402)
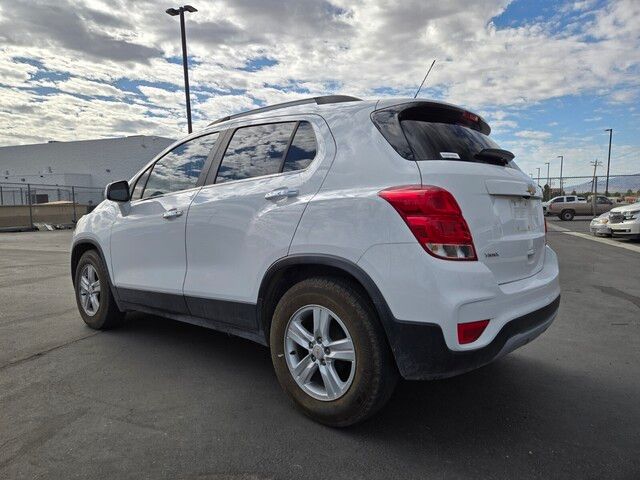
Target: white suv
(359,240)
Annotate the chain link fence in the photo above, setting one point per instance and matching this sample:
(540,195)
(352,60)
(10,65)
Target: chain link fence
(26,205)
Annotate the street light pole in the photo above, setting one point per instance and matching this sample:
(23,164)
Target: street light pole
(185,65)
(561,157)
(606,188)
(538,175)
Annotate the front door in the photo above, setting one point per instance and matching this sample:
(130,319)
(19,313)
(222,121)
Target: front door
(148,237)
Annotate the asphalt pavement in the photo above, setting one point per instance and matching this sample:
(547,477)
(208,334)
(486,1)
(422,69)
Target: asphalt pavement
(159,399)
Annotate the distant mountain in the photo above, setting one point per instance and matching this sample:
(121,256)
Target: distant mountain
(616,184)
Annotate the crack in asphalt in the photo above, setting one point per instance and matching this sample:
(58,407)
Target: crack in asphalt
(44,352)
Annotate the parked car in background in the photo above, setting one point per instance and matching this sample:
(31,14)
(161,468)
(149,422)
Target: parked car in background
(562,199)
(600,225)
(567,210)
(625,221)
(359,240)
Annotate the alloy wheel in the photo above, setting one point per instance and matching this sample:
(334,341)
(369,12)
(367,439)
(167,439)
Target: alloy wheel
(320,353)
(89,290)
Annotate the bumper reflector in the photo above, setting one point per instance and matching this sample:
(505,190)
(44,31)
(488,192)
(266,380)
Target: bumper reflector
(471,331)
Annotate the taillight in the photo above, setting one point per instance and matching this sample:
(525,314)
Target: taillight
(471,331)
(434,217)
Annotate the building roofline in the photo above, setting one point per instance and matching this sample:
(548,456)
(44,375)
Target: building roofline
(67,142)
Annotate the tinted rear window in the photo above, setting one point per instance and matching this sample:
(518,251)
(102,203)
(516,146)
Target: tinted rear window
(443,141)
(425,130)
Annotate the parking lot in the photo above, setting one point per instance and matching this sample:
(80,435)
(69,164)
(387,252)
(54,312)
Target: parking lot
(159,399)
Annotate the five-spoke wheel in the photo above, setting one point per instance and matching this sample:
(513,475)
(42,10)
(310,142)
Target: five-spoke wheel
(320,352)
(330,352)
(95,301)
(89,290)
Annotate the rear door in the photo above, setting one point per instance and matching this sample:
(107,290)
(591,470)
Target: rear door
(148,236)
(244,219)
(501,205)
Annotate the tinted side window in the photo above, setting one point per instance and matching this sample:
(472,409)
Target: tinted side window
(140,183)
(255,151)
(302,150)
(180,168)
(571,199)
(558,200)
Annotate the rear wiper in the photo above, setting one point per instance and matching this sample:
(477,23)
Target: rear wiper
(495,155)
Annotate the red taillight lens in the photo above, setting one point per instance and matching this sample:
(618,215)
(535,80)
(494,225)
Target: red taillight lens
(434,217)
(470,332)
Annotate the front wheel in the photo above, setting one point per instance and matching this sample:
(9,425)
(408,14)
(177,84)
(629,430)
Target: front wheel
(567,215)
(330,353)
(95,301)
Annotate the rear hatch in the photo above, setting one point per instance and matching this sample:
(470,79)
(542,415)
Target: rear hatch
(501,205)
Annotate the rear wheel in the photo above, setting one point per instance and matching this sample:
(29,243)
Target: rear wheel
(330,353)
(567,215)
(95,301)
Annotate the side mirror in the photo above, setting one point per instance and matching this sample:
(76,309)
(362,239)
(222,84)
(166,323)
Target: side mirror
(118,191)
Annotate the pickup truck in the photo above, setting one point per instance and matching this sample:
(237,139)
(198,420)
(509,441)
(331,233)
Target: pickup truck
(562,199)
(567,210)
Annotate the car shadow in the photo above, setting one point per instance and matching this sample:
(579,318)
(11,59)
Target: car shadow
(525,412)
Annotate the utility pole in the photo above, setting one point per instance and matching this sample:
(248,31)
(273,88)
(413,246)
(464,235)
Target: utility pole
(561,157)
(538,175)
(606,188)
(185,65)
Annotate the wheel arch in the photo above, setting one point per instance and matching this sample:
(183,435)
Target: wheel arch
(290,270)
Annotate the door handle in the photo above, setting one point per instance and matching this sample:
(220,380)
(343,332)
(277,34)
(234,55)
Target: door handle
(173,213)
(279,193)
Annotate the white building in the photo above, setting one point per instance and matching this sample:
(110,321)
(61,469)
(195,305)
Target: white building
(49,170)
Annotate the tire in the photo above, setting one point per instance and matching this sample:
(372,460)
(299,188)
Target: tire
(567,215)
(368,384)
(106,315)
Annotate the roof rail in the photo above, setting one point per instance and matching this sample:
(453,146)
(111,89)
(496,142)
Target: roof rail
(317,100)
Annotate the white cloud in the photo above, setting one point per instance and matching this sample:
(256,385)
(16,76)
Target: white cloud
(345,46)
(533,134)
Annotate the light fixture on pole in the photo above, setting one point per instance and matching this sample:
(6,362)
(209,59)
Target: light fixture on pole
(175,12)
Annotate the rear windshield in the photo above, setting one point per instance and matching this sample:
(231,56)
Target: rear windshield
(443,141)
(433,131)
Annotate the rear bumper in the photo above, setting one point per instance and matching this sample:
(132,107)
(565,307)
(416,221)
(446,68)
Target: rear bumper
(422,354)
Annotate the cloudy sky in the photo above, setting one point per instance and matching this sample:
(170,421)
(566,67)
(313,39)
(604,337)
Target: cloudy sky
(549,76)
